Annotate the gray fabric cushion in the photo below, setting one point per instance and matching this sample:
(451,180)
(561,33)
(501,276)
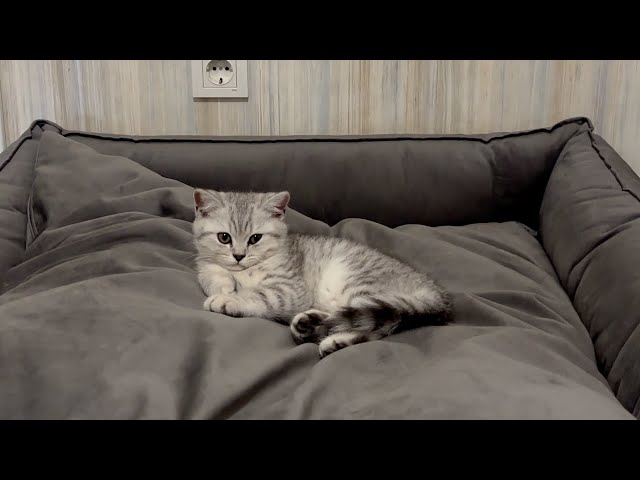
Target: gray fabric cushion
(590,226)
(103,318)
(15,186)
(389,179)
(114,185)
(16,178)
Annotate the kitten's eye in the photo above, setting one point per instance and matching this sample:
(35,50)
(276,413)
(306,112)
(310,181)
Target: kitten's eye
(255,238)
(224,238)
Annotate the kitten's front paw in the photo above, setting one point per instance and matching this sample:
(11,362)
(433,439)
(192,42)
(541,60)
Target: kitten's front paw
(225,287)
(226,284)
(216,284)
(307,326)
(224,303)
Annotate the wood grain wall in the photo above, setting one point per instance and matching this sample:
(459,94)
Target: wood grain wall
(328,97)
(2,139)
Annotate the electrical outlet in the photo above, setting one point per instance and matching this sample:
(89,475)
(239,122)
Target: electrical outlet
(219,78)
(220,73)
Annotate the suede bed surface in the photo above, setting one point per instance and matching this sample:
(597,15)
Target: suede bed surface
(102,318)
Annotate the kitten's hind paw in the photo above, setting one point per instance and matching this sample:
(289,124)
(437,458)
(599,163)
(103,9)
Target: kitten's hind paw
(307,326)
(341,340)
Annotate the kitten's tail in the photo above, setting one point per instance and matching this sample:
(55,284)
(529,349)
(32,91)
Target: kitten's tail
(381,316)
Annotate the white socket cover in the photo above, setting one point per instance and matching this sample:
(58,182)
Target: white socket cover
(219,78)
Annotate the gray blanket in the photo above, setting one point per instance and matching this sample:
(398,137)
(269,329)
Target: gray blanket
(102,318)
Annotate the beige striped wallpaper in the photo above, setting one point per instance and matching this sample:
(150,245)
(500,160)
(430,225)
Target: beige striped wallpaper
(327,97)
(2,139)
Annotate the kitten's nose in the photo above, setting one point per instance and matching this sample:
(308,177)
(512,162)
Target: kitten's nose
(238,257)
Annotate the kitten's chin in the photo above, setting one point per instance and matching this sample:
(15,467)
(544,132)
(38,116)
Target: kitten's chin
(235,268)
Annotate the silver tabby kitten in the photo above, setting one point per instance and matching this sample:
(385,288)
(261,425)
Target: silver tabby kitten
(331,291)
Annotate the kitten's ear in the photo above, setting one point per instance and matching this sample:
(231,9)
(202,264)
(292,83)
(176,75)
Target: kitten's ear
(206,201)
(277,204)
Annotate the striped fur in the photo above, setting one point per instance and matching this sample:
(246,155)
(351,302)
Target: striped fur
(330,291)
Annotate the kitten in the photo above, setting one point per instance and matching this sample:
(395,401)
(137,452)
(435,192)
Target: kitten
(330,291)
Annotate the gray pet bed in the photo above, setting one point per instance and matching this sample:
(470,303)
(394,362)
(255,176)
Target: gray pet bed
(536,234)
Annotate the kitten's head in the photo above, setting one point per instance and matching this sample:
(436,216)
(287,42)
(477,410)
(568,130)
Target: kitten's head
(239,230)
